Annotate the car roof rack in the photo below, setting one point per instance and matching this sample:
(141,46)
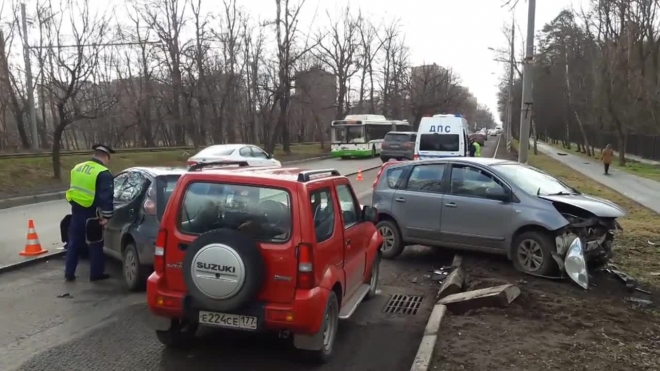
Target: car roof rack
(202,165)
(306,176)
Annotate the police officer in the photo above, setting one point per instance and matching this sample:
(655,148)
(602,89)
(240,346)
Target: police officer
(91,196)
(477,148)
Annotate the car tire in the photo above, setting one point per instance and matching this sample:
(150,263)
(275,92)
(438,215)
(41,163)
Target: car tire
(135,274)
(538,246)
(331,325)
(179,335)
(384,159)
(236,250)
(392,244)
(374,277)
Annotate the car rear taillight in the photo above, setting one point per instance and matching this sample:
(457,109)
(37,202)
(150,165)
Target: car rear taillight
(306,278)
(415,157)
(407,145)
(191,163)
(159,251)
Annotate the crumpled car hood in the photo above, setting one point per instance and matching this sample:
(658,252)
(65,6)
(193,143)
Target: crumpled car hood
(598,206)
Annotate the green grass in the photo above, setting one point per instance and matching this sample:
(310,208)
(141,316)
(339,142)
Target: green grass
(24,176)
(633,253)
(641,169)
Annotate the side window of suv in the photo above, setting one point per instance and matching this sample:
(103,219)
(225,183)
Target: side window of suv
(323,213)
(426,178)
(470,181)
(350,209)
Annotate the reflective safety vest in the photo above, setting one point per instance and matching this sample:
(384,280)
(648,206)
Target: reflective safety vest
(477,149)
(83,183)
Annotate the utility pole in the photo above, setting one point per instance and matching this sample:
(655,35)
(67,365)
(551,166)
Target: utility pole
(512,58)
(31,115)
(526,104)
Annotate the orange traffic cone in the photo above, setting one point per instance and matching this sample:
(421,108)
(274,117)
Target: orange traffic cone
(359,176)
(32,246)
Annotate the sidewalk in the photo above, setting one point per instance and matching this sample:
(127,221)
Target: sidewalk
(641,190)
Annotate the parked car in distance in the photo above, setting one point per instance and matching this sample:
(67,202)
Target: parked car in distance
(495,206)
(254,155)
(479,138)
(399,145)
(257,249)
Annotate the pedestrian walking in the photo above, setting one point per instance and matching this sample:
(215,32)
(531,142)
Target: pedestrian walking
(91,197)
(606,156)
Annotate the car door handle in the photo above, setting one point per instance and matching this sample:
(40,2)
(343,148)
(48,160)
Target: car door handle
(400,199)
(451,204)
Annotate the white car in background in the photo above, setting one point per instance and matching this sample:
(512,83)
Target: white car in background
(254,155)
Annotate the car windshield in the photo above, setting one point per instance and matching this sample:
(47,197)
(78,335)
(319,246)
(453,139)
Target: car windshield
(534,181)
(215,151)
(262,213)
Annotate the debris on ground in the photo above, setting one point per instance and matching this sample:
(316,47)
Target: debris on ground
(498,296)
(65,296)
(453,283)
(639,301)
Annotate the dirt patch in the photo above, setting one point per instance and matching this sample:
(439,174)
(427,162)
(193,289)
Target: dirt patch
(553,325)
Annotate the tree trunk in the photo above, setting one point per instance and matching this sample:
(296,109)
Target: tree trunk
(57,138)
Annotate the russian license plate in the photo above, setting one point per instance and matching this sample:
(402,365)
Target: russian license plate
(234,321)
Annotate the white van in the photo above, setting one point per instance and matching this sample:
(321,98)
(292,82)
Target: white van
(442,136)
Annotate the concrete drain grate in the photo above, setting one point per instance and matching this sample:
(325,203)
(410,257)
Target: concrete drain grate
(403,304)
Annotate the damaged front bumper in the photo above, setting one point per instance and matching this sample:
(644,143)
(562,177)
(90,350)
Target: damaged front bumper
(583,245)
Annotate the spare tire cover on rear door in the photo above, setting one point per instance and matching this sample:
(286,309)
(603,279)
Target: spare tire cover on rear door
(223,269)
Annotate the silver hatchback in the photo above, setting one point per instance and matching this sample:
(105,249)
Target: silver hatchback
(494,206)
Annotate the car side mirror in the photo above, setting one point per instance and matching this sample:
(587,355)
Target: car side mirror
(369,214)
(498,193)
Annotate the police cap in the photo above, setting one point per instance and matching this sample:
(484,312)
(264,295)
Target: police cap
(103,148)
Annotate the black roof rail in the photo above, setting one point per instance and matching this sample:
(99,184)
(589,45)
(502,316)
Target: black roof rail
(201,165)
(306,176)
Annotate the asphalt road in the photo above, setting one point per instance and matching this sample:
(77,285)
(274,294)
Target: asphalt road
(101,327)
(47,215)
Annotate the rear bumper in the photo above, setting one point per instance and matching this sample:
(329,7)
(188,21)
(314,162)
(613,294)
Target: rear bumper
(393,153)
(303,315)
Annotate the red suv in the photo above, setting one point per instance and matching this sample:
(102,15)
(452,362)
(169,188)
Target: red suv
(263,249)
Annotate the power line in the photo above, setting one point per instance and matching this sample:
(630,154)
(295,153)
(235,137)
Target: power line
(93,45)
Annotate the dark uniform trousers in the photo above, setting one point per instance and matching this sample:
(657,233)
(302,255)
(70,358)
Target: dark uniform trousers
(77,242)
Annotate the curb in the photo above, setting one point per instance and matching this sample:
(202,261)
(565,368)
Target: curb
(44,197)
(426,348)
(29,262)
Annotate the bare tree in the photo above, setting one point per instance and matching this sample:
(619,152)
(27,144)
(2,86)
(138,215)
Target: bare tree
(286,30)
(338,47)
(166,17)
(72,89)
(370,46)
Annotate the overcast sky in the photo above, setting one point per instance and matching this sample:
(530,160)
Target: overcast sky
(452,33)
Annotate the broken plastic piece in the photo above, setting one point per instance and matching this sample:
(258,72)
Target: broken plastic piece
(575,264)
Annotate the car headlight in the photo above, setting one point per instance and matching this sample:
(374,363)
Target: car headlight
(575,265)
